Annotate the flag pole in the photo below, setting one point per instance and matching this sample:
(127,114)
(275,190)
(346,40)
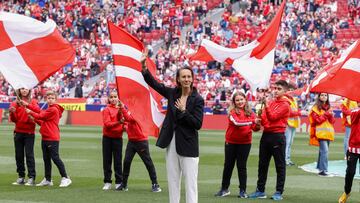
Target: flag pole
(16,93)
(112,59)
(265,91)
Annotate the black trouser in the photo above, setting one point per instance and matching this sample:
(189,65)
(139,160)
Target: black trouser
(112,148)
(24,145)
(352,160)
(240,154)
(272,144)
(142,148)
(50,151)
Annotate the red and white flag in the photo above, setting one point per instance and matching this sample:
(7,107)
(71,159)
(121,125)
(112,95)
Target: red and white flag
(342,77)
(253,61)
(142,101)
(30,50)
(210,51)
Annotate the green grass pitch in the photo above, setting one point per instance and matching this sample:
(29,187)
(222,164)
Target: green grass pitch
(80,149)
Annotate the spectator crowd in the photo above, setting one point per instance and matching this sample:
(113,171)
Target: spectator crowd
(306,43)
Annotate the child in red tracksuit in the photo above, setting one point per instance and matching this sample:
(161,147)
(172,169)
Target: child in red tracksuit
(112,142)
(238,137)
(50,139)
(272,143)
(137,143)
(346,107)
(353,153)
(24,135)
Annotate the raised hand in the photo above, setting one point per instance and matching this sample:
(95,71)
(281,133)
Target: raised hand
(143,59)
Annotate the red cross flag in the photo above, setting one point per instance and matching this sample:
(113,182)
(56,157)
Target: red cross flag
(30,50)
(253,61)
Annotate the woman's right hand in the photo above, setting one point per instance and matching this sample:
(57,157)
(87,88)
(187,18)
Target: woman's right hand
(143,59)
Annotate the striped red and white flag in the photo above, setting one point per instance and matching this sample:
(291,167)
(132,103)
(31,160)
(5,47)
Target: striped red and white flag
(142,101)
(30,50)
(253,61)
(342,77)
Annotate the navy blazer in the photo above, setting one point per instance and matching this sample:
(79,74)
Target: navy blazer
(185,124)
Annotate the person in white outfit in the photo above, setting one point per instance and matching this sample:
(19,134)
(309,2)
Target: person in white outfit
(179,132)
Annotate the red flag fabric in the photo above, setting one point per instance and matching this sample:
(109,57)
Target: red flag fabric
(142,101)
(30,50)
(253,61)
(341,77)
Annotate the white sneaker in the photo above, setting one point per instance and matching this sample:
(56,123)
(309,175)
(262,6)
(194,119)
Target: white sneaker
(45,182)
(65,181)
(30,182)
(107,186)
(19,181)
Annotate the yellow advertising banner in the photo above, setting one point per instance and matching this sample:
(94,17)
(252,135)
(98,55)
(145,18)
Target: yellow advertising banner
(73,106)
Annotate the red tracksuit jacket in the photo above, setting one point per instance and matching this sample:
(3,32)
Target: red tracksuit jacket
(239,130)
(111,119)
(354,140)
(49,121)
(274,117)
(134,130)
(23,124)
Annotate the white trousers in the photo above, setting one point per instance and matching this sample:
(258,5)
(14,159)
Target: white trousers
(176,166)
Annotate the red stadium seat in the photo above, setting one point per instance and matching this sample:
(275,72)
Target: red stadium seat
(148,36)
(356,35)
(147,41)
(155,34)
(347,35)
(162,32)
(187,19)
(340,35)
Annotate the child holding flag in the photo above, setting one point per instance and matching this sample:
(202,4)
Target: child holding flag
(50,134)
(238,137)
(346,107)
(274,118)
(137,143)
(112,141)
(353,153)
(24,135)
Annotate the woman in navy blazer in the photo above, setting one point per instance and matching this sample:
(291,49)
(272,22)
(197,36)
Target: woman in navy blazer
(179,132)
